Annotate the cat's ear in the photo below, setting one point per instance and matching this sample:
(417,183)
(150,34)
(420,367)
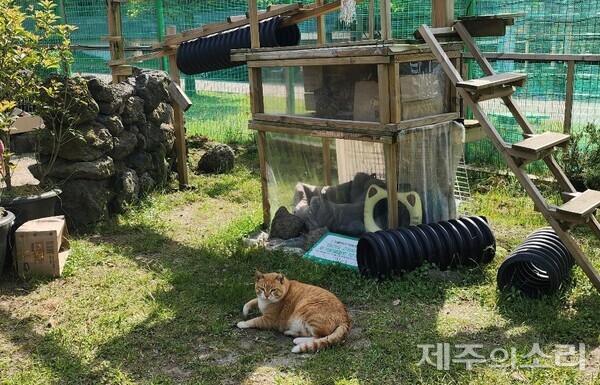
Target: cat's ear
(258,275)
(280,278)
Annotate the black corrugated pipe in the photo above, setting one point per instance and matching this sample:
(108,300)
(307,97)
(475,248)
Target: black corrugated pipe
(538,266)
(211,53)
(464,241)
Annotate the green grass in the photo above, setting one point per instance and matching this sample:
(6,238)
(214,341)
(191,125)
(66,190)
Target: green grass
(154,295)
(223,117)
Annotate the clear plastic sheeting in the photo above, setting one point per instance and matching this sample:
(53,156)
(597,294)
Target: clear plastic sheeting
(355,200)
(428,160)
(351,92)
(422,89)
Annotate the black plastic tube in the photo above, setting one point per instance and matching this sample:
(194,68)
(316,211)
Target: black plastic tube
(211,53)
(536,267)
(387,253)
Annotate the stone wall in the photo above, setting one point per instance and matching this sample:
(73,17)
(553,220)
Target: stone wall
(118,145)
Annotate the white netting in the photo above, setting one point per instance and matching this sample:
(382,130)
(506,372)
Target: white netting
(348,11)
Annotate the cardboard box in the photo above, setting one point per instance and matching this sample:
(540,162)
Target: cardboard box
(42,247)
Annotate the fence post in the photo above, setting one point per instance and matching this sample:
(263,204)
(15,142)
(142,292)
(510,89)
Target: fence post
(569,96)
(160,28)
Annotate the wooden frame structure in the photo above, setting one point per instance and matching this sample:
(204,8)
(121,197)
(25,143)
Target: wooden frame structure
(294,13)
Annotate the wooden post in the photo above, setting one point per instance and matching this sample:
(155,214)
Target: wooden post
(322,39)
(115,37)
(253,20)
(442,13)
(372,19)
(180,148)
(569,96)
(386,19)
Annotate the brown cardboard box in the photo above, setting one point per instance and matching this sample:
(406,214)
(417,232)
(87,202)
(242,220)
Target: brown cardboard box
(42,247)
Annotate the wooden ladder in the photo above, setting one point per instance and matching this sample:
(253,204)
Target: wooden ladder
(579,207)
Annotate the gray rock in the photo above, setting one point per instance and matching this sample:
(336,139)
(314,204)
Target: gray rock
(102,168)
(123,145)
(152,87)
(140,161)
(84,202)
(85,142)
(217,160)
(112,122)
(127,190)
(285,225)
(162,114)
(146,183)
(133,112)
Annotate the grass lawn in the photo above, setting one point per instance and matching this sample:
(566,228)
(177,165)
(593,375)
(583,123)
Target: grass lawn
(153,298)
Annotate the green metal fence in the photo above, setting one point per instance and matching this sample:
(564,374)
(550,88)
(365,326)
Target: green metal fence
(221,106)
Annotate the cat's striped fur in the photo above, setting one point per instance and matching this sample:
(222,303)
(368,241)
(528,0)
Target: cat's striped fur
(315,316)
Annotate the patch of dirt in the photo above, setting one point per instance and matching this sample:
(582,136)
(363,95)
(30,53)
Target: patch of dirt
(592,365)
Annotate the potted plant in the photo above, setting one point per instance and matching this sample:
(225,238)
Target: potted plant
(33,44)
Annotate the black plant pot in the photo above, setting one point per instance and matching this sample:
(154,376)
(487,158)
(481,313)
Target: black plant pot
(6,224)
(32,207)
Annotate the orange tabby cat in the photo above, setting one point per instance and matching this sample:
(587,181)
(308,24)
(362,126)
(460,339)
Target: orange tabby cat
(314,315)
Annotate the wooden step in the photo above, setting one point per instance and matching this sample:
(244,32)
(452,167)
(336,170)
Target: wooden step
(506,79)
(539,143)
(583,205)
(439,32)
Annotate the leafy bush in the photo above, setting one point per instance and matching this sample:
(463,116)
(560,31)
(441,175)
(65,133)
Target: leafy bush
(581,159)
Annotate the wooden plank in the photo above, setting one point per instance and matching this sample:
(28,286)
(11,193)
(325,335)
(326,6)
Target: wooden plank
(321,38)
(395,92)
(261,140)
(442,13)
(371,19)
(320,62)
(493,93)
(294,129)
(112,38)
(326,161)
(115,29)
(541,142)
(538,57)
(312,12)
(140,58)
(121,71)
(178,96)
(385,16)
(253,20)
(512,79)
(425,121)
(569,96)
(582,205)
(209,29)
(236,18)
(329,124)
(178,123)
(390,153)
(384,94)
(256,91)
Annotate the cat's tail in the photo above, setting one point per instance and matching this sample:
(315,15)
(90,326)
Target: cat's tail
(311,344)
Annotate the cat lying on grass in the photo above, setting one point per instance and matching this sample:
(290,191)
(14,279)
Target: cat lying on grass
(315,316)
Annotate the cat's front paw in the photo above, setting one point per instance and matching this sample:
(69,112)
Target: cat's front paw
(243,325)
(246,310)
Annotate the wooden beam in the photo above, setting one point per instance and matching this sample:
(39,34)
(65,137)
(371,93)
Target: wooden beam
(321,38)
(115,33)
(371,19)
(312,12)
(180,147)
(139,58)
(178,96)
(569,96)
(253,19)
(386,19)
(442,13)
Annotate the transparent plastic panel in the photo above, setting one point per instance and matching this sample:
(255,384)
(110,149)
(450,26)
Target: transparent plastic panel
(422,89)
(355,201)
(346,92)
(428,162)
